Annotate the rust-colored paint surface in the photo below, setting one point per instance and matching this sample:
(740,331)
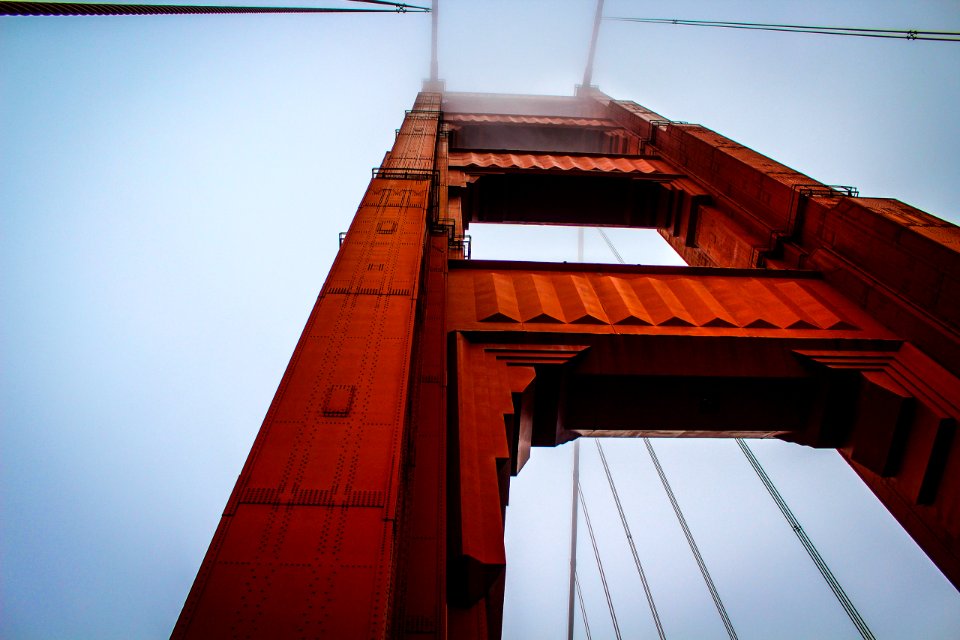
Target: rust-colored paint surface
(498,118)
(651,300)
(562,162)
(307,543)
(372,501)
(704,352)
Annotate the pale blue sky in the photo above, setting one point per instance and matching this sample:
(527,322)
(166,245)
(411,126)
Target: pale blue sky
(171,189)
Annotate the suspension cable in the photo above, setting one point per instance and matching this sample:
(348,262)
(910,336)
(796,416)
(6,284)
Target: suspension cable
(583,607)
(107,9)
(633,546)
(818,560)
(693,545)
(895,34)
(596,553)
(573,535)
(676,509)
(609,242)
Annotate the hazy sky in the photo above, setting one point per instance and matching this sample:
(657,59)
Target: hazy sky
(171,190)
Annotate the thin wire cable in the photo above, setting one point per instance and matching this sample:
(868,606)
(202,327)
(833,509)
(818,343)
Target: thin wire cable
(583,607)
(894,34)
(106,9)
(609,242)
(596,553)
(786,26)
(573,535)
(818,560)
(633,547)
(676,510)
(389,3)
(690,541)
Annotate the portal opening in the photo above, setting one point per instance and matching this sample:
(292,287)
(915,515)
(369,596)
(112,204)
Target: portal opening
(560,243)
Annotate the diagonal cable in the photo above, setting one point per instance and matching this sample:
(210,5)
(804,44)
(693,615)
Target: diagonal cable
(107,9)
(690,541)
(389,3)
(596,553)
(583,607)
(676,509)
(862,32)
(684,21)
(609,242)
(818,560)
(633,546)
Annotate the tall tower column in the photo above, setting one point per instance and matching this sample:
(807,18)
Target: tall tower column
(307,545)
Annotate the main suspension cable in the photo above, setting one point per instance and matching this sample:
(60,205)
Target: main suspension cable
(8,8)
(633,546)
(596,553)
(861,32)
(693,545)
(818,560)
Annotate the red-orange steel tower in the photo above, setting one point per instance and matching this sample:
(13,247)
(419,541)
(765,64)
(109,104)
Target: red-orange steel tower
(372,502)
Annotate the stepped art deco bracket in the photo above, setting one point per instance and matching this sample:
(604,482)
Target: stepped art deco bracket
(547,353)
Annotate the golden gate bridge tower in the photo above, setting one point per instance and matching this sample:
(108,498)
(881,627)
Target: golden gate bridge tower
(372,502)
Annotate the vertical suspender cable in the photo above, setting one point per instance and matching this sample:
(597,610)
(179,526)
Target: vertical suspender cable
(573,541)
(574,582)
(583,610)
(818,560)
(603,576)
(693,545)
(633,547)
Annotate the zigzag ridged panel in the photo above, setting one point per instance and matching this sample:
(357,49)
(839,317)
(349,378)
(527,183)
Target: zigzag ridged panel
(706,298)
(556,161)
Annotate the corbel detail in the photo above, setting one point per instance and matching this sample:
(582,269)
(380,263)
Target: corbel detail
(491,423)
